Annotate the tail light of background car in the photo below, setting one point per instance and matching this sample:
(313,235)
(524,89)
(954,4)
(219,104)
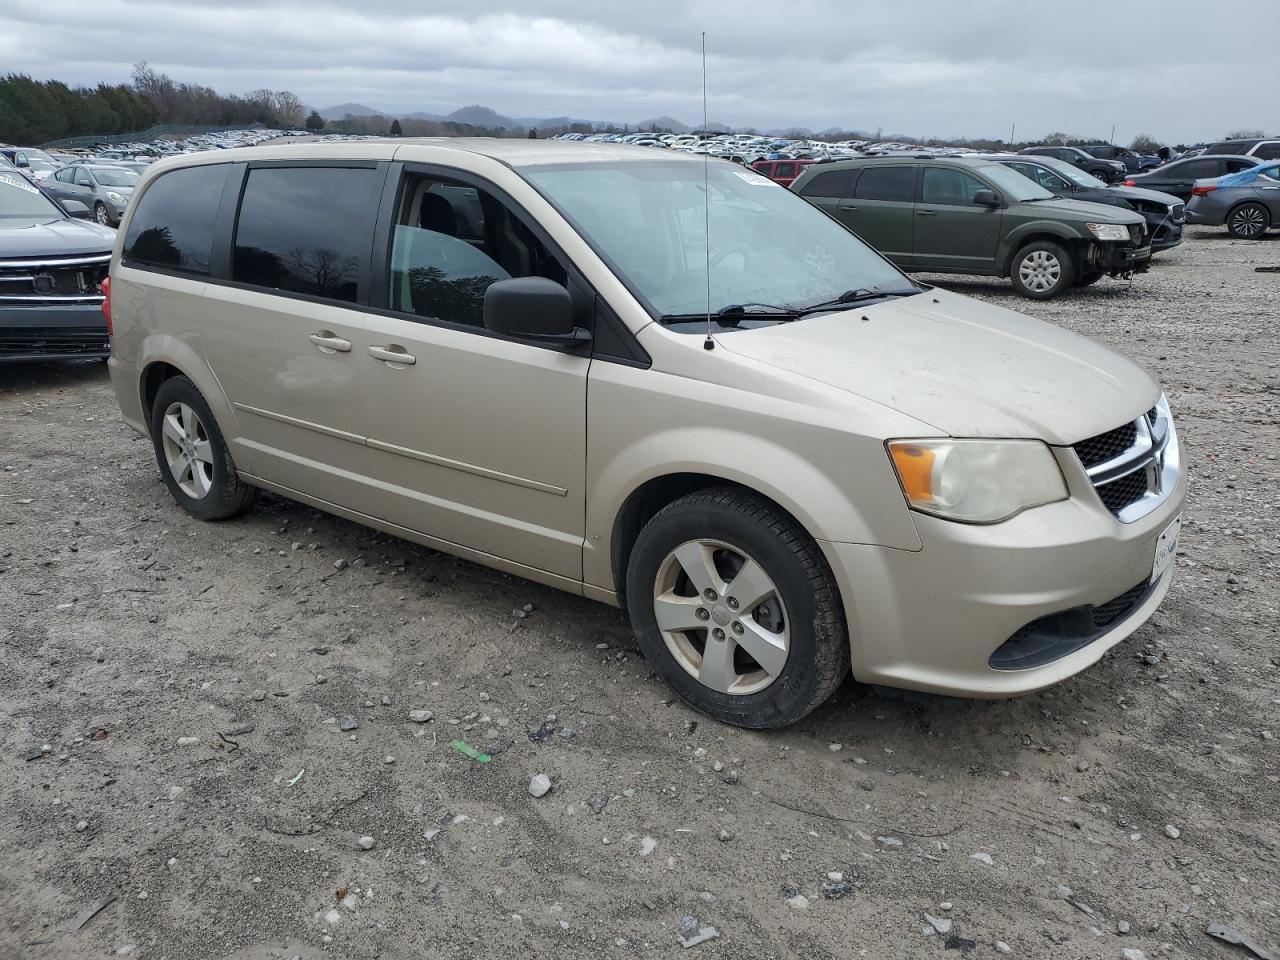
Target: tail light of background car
(1130,183)
(106,303)
(1201,191)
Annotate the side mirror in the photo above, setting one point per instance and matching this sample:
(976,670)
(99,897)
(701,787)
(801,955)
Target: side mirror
(986,198)
(533,308)
(76,209)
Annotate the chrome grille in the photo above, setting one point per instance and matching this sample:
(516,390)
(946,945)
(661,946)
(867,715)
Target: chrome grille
(1134,466)
(53,280)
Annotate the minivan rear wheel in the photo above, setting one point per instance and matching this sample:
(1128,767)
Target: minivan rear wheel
(194,461)
(1249,220)
(735,607)
(1042,270)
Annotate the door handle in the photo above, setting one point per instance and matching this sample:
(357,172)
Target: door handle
(926,213)
(330,343)
(848,206)
(393,353)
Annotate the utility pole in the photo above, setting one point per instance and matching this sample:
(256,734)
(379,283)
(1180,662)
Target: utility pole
(1112,141)
(1012,127)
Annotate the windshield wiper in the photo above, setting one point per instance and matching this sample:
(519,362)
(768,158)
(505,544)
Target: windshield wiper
(860,295)
(728,316)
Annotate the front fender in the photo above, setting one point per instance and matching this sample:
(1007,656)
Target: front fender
(1015,239)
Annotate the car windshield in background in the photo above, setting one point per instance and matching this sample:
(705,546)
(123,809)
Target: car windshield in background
(115,176)
(20,200)
(1013,184)
(769,247)
(1070,172)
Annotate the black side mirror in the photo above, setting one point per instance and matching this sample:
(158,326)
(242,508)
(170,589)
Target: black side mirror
(533,308)
(986,198)
(76,209)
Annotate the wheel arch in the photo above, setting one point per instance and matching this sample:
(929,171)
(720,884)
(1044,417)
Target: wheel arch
(164,356)
(1016,241)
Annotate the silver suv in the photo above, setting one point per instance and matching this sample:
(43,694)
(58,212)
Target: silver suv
(785,458)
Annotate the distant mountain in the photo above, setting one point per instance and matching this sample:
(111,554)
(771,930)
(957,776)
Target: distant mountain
(355,109)
(665,123)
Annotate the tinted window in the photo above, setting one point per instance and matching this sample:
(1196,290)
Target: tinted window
(887,183)
(173,223)
(949,187)
(785,170)
(1197,169)
(1234,166)
(833,183)
(1268,151)
(306,229)
(452,241)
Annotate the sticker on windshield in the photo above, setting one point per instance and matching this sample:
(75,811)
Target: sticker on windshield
(754,179)
(19,183)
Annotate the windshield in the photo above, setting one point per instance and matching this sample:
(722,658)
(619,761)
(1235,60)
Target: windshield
(1013,184)
(18,198)
(768,247)
(1071,172)
(115,176)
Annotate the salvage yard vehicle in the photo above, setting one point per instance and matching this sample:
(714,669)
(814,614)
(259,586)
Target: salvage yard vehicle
(102,188)
(1107,171)
(1247,201)
(781,171)
(1264,148)
(510,350)
(961,215)
(1164,213)
(1179,177)
(51,268)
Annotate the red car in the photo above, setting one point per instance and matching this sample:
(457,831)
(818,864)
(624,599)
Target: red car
(781,171)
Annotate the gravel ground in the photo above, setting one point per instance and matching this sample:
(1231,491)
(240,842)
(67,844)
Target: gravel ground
(176,701)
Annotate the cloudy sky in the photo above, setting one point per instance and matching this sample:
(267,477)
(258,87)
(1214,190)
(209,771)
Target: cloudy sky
(1169,68)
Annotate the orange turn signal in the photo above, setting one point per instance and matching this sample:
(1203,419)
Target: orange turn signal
(915,467)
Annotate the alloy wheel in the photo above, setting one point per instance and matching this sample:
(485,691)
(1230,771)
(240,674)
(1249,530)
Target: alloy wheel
(101,215)
(1248,221)
(1040,271)
(721,617)
(187,450)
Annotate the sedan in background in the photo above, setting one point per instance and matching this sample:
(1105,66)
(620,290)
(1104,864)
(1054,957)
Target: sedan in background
(103,189)
(1106,170)
(1180,176)
(1247,202)
(1163,212)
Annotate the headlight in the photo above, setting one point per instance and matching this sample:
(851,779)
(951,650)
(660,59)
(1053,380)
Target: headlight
(976,481)
(116,199)
(1108,231)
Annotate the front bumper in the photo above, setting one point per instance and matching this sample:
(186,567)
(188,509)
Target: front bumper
(931,619)
(1122,259)
(52,332)
(1165,234)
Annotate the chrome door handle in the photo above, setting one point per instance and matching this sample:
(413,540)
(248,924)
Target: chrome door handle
(393,353)
(330,343)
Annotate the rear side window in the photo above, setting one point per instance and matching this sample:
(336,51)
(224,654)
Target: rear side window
(1268,151)
(306,230)
(1199,169)
(834,183)
(172,226)
(887,183)
(785,170)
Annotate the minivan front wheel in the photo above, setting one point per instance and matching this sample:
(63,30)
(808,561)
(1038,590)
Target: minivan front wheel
(1247,221)
(194,461)
(734,606)
(1042,270)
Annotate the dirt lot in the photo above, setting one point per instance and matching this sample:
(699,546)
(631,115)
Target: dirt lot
(174,695)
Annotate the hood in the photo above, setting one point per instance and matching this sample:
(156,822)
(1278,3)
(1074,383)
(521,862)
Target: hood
(53,238)
(967,368)
(1082,211)
(1151,196)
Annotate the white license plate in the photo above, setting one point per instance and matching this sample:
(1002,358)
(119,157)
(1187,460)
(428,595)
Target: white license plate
(1166,549)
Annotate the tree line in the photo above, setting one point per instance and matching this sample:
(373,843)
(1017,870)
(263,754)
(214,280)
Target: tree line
(37,111)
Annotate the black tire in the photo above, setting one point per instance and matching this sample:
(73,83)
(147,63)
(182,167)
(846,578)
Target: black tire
(1248,221)
(1089,278)
(818,656)
(227,494)
(1065,270)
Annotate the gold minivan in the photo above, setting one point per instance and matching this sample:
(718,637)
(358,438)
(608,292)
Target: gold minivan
(660,382)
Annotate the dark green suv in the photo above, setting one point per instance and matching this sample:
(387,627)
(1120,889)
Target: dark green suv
(957,215)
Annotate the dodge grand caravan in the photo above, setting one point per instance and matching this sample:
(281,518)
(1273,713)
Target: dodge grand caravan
(503,349)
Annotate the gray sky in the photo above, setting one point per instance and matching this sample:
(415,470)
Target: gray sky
(1170,68)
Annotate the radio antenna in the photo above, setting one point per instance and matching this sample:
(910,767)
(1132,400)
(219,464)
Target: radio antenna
(707,344)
